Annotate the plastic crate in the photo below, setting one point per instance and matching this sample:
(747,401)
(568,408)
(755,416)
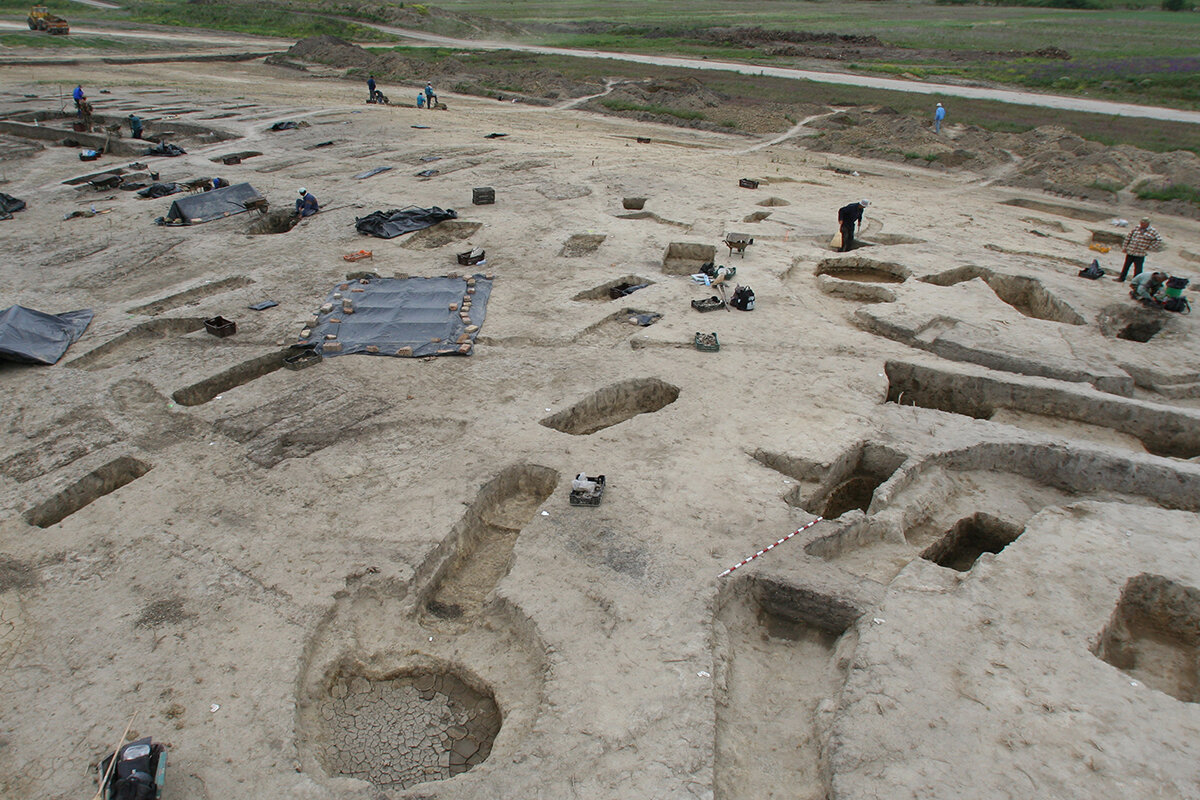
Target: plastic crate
(713,303)
(748,183)
(483,196)
(220,327)
(706,342)
(302,359)
(580,498)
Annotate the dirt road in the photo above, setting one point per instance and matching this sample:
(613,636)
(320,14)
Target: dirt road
(841,78)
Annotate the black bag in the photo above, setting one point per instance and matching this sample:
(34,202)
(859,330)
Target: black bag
(135,786)
(743,298)
(1177,304)
(1093,271)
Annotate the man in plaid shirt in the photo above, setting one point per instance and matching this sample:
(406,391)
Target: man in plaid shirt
(1139,241)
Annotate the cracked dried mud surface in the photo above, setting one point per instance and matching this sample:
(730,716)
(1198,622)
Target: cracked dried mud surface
(370,569)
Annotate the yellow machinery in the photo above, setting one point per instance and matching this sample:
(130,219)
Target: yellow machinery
(41,19)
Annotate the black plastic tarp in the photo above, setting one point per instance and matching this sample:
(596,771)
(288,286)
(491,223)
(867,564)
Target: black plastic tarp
(398,221)
(402,317)
(207,206)
(156,190)
(9,204)
(35,337)
(166,149)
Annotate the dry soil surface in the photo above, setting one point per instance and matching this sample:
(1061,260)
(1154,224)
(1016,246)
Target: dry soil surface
(365,579)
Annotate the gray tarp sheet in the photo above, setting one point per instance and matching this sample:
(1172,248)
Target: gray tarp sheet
(207,206)
(394,313)
(36,337)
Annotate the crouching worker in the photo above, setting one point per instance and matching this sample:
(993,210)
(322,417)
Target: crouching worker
(135,126)
(306,205)
(1146,287)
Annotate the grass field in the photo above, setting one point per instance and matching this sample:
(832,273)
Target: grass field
(1004,117)
(236,17)
(1120,53)
(1148,55)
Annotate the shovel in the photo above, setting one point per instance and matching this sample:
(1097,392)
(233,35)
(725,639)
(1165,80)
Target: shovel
(725,299)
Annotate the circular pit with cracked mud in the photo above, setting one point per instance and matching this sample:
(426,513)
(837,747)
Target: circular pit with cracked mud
(405,728)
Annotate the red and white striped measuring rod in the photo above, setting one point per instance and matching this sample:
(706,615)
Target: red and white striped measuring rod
(769,547)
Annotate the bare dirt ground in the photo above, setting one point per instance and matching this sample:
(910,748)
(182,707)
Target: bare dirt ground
(364,579)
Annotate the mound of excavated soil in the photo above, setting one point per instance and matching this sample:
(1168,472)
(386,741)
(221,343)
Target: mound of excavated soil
(331,50)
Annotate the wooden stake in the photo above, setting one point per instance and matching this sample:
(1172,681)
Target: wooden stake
(113,763)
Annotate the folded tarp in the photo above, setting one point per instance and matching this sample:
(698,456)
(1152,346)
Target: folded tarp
(371,172)
(160,190)
(9,204)
(286,125)
(207,206)
(390,224)
(166,149)
(35,337)
(406,317)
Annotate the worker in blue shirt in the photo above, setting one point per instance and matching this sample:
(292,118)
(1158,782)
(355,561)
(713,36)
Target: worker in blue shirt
(306,205)
(371,89)
(79,98)
(939,114)
(430,97)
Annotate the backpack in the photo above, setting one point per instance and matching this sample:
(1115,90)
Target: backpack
(1177,304)
(743,298)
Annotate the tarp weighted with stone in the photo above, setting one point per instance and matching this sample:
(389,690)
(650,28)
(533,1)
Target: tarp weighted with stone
(398,221)
(35,337)
(402,317)
(207,206)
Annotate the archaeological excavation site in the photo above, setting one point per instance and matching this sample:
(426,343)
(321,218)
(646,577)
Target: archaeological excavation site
(426,497)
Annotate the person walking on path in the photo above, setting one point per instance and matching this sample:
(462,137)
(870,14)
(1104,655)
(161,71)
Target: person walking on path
(939,114)
(848,216)
(1138,242)
(371,89)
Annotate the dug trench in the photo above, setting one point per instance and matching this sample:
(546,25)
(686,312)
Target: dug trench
(279,221)
(381,702)
(1026,295)
(866,270)
(1154,636)
(952,508)
(1163,430)
(614,289)
(850,482)
(478,553)
(116,351)
(780,651)
(205,390)
(99,482)
(613,405)
(616,328)
(193,295)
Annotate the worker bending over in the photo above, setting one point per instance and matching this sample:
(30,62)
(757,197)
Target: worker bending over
(306,204)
